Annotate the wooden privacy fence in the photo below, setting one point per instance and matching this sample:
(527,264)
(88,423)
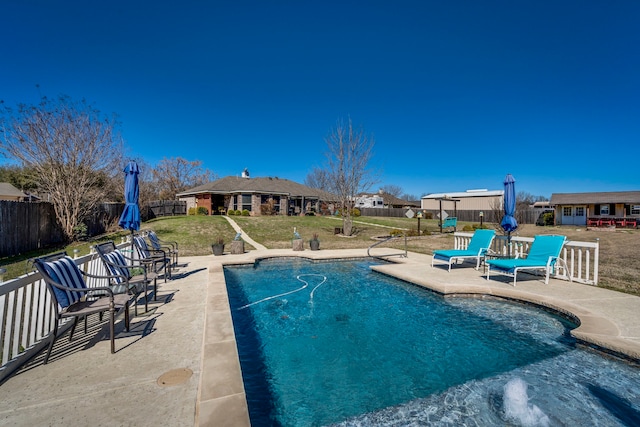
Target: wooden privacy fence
(581,257)
(528,216)
(27,226)
(160,208)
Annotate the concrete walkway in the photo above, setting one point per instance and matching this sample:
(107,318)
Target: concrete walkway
(179,364)
(245,236)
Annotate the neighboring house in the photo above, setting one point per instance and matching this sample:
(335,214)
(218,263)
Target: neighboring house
(369,201)
(383,200)
(258,195)
(470,200)
(9,192)
(596,208)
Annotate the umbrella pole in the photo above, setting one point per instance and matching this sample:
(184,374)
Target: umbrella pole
(132,248)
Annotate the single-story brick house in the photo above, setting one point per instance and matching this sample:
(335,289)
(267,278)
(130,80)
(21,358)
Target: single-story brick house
(258,195)
(616,208)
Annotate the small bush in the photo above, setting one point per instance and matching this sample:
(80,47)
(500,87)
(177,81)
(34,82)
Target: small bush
(477,227)
(231,212)
(191,211)
(245,212)
(202,211)
(396,233)
(80,232)
(468,228)
(355,212)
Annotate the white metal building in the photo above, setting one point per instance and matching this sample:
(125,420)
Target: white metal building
(470,200)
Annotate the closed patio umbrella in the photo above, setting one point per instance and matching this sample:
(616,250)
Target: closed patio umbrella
(509,223)
(130,218)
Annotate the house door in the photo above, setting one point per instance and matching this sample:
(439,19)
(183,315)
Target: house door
(574,215)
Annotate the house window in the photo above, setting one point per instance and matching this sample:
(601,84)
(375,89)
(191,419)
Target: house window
(567,211)
(635,210)
(604,209)
(246,202)
(579,210)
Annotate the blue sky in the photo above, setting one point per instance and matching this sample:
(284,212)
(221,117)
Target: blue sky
(455,93)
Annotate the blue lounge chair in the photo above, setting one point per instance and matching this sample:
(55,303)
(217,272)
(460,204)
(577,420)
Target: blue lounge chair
(478,246)
(543,255)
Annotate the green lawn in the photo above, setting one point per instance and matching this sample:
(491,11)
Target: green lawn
(619,269)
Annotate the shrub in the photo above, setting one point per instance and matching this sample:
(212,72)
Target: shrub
(245,212)
(231,212)
(80,231)
(202,211)
(396,233)
(547,218)
(468,228)
(412,232)
(355,212)
(192,211)
(477,226)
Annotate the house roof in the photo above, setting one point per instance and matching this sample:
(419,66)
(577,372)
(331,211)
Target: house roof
(268,185)
(603,197)
(6,189)
(464,194)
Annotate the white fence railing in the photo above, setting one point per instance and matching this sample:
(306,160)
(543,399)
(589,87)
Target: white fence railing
(27,314)
(581,257)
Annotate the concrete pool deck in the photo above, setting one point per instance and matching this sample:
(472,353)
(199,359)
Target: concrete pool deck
(179,366)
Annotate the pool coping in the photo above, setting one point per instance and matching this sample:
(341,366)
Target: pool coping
(221,397)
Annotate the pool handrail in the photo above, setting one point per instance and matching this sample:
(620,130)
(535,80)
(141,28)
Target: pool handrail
(403,255)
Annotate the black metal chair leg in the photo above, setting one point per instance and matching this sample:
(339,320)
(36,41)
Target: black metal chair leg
(73,328)
(112,320)
(53,340)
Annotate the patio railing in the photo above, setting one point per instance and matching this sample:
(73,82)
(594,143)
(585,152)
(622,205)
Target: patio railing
(27,316)
(581,257)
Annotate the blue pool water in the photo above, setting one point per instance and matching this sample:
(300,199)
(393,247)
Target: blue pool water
(337,344)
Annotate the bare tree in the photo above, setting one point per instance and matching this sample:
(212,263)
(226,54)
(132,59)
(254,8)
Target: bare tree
(317,178)
(71,149)
(177,174)
(394,190)
(349,152)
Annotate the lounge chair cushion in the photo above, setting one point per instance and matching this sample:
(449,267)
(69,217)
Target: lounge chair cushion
(117,266)
(66,272)
(478,244)
(509,265)
(446,255)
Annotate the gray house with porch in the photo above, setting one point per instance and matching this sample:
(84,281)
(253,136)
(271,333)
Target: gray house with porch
(616,208)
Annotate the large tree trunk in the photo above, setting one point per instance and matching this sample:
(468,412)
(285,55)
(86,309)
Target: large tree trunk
(347,226)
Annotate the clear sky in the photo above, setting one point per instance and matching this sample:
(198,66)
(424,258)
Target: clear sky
(455,93)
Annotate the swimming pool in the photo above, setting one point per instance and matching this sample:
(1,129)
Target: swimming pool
(335,343)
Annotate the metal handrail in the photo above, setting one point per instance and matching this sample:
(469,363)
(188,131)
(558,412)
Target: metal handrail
(384,241)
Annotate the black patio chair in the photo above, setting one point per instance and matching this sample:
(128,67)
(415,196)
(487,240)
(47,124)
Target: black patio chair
(72,298)
(126,276)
